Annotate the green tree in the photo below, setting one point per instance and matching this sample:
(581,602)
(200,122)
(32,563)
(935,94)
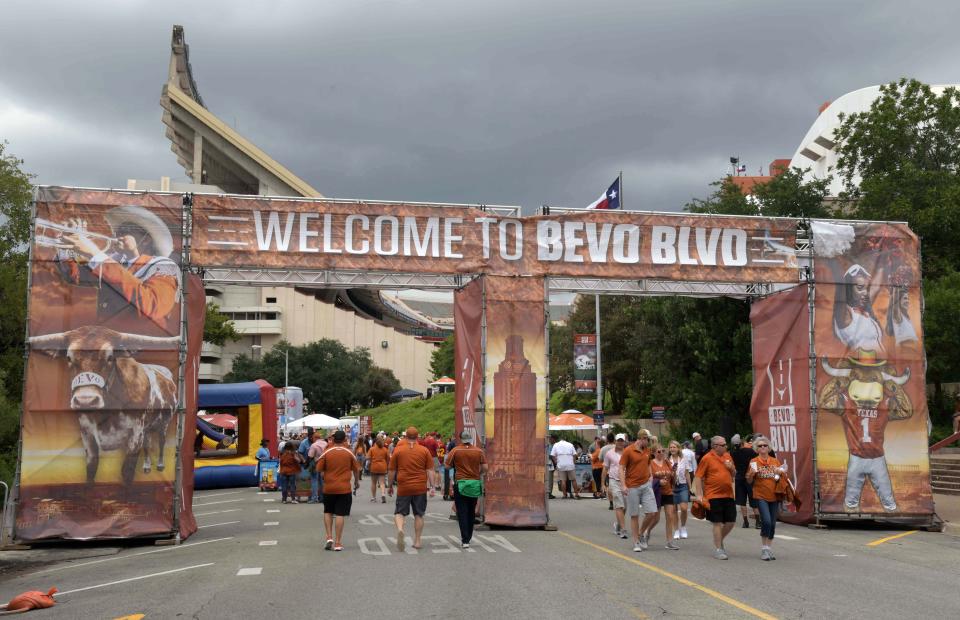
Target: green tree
(899,161)
(380,384)
(217,327)
(441,359)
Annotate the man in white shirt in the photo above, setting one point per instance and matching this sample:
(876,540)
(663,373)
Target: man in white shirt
(563,456)
(611,478)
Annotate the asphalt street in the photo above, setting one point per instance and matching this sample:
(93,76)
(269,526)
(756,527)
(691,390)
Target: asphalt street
(257,558)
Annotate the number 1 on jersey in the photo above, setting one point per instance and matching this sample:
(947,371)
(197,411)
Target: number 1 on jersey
(865,423)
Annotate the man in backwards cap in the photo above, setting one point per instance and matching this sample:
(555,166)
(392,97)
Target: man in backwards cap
(469,464)
(412,468)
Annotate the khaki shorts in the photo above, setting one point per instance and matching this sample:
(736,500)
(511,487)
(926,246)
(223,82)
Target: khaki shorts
(641,500)
(616,493)
(570,474)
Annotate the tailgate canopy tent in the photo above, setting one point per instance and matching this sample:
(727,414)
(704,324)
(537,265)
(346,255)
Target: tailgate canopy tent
(316,420)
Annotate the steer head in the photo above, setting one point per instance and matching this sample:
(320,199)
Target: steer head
(867,382)
(92,353)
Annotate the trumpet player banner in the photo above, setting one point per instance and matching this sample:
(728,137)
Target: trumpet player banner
(871,444)
(468,357)
(780,407)
(99,427)
(515,401)
(322,234)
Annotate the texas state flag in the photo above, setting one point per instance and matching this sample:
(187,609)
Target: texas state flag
(610,198)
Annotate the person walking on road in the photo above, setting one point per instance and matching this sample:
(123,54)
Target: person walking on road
(550,466)
(611,482)
(411,466)
(289,469)
(563,455)
(379,457)
(596,467)
(360,451)
(316,478)
(611,439)
(763,473)
(714,485)
(662,470)
(742,453)
(638,489)
(684,468)
(337,463)
(469,465)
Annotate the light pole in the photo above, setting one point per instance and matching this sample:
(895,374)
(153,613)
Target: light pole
(286,364)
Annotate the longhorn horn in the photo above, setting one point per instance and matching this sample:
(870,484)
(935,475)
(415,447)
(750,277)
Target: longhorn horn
(898,380)
(834,372)
(53,342)
(136,341)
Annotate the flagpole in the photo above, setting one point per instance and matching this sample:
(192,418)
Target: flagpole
(620,183)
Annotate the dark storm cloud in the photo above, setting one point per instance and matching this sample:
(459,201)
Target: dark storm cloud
(441,101)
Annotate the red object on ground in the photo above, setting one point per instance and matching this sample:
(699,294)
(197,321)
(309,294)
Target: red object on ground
(32,600)
(223,420)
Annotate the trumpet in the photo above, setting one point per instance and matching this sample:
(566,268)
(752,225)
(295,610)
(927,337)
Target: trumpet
(50,234)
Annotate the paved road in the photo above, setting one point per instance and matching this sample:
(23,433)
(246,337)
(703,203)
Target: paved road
(254,557)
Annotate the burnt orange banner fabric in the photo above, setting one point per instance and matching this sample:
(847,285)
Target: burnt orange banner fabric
(872,425)
(515,401)
(100,399)
(231,231)
(468,357)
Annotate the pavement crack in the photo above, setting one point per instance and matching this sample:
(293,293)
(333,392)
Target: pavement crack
(196,614)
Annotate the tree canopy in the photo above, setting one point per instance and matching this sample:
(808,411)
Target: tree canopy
(441,359)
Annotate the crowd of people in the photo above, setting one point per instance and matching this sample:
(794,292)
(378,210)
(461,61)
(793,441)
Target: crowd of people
(644,481)
(642,478)
(407,466)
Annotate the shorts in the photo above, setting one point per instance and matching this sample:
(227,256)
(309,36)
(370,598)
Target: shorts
(417,502)
(666,500)
(616,493)
(681,494)
(744,493)
(337,503)
(641,497)
(722,510)
(566,474)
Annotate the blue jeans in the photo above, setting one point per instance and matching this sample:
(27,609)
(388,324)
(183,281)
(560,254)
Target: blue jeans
(288,486)
(768,517)
(316,487)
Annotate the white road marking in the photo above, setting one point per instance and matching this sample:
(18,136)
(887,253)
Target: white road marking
(366,544)
(249,571)
(200,527)
(263,492)
(268,543)
(129,579)
(409,545)
(839,555)
(195,497)
(274,510)
(500,541)
(270,500)
(215,512)
(222,501)
(456,539)
(271,523)
(783,536)
(123,557)
(443,545)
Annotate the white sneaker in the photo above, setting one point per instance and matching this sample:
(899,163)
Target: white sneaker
(643,542)
(637,547)
(683,532)
(676,535)
(623,535)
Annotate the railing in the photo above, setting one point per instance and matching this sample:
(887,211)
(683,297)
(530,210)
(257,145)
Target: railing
(945,442)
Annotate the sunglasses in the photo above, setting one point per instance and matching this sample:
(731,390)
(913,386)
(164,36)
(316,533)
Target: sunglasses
(719,445)
(762,445)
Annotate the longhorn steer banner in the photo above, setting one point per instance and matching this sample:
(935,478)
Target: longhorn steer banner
(325,234)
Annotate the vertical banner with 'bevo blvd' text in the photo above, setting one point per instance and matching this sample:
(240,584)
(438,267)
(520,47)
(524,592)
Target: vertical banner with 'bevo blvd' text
(585,363)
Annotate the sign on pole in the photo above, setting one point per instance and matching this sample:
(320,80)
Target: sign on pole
(598,417)
(585,363)
(659,414)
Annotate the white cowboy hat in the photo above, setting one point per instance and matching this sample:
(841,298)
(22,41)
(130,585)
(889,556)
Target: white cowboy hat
(138,216)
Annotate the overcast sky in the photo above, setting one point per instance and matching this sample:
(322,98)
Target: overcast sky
(530,103)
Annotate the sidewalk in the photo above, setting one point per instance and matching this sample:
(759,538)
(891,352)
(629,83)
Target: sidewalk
(948,508)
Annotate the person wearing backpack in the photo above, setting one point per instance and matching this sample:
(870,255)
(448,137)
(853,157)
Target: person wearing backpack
(469,465)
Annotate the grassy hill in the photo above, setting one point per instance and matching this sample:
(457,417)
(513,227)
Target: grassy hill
(434,414)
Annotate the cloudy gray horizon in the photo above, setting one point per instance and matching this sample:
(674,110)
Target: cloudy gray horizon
(496,102)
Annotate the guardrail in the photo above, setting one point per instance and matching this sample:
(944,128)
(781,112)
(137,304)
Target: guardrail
(945,442)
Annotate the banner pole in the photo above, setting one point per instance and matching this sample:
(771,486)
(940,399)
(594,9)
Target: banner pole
(620,187)
(480,415)
(596,299)
(546,380)
(186,232)
(814,409)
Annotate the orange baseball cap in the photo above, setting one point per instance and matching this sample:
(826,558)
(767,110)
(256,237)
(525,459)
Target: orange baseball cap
(412,432)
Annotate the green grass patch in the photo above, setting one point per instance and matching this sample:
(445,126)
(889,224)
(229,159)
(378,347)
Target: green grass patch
(434,414)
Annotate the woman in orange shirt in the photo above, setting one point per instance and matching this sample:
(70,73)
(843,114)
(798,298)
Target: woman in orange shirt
(663,471)
(596,468)
(360,451)
(764,473)
(289,469)
(379,456)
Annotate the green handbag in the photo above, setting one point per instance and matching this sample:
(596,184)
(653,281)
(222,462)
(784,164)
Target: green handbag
(470,488)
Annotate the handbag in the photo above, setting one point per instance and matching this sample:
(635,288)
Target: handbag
(470,488)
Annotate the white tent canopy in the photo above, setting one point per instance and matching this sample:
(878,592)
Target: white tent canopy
(315,420)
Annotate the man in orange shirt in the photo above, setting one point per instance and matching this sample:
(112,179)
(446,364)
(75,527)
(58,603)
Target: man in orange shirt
(714,485)
(411,466)
(469,464)
(337,463)
(638,489)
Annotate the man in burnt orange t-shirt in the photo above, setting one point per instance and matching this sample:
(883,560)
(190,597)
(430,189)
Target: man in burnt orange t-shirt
(714,486)
(337,464)
(637,487)
(469,463)
(411,466)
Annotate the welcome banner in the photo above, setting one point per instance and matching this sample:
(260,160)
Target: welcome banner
(401,237)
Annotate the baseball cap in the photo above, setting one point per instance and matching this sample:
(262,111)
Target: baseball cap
(736,439)
(465,436)
(695,435)
(620,437)
(412,432)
